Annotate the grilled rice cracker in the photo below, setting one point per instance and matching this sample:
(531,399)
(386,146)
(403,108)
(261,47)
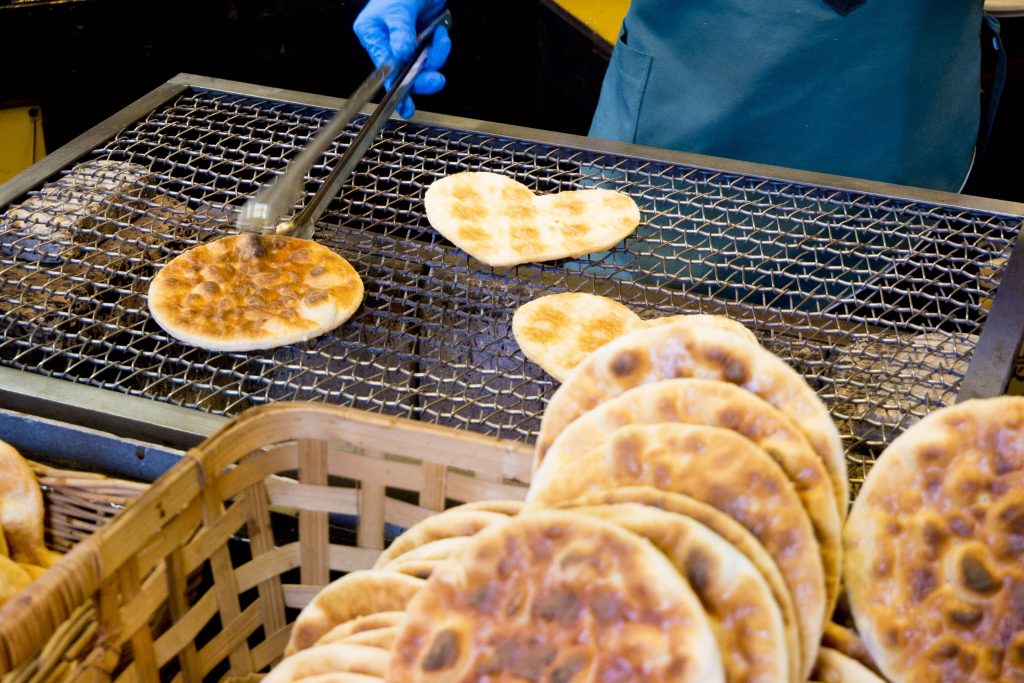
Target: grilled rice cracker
(13,579)
(34,570)
(934,547)
(718,467)
(717,321)
(746,621)
(433,551)
(502,507)
(835,667)
(248,291)
(363,624)
(421,560)
(847,642)
(330,658)
(383,637)
(421,569)
(354,595)
(454,523)
(556,596)
(719,404)
(500,222)
(21,511)
(341,677)
(557,331)
(677,350)
(730,530)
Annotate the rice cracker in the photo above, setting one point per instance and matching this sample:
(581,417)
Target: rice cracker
(746,621)
(22,523)
(452,523)
(558,331)
(934,547)
(501,222)
(356,594)
(330,658)
(731,531)
(556,596)
(718,467)
(835,667)
(720,404)
(246,292)
(677,349)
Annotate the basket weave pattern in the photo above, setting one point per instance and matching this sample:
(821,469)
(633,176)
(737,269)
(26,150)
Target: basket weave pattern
(201,577)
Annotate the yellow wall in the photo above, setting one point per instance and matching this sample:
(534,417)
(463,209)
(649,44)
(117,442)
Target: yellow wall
(21,140)
(604,17)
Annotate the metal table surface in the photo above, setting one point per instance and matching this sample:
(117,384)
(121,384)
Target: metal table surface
(64,445)
(883,296)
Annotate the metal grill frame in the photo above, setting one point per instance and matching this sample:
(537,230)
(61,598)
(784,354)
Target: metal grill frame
(987,375)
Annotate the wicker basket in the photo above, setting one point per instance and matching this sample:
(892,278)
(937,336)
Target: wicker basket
(202,576)
(77,504)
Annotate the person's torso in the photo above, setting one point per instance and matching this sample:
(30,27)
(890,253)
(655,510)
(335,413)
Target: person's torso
(889,90)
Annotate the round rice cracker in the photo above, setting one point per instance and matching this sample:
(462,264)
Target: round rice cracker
(330,658)
(558,331)
(363,624)
(22,515)
(453,523)
(746,620)
(246,292)
(934,545)
(718,321)
(556,596)
(845,641)
(378,637)
(679,350)
(718,467)
(341,677)
(354,595)
(14,579)
(835,667)
(421,562)
(441,549)
(719,404)
(509,508)
(421,569)
(730,530)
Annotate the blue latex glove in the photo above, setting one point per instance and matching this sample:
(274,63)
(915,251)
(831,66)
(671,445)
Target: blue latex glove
(387,30)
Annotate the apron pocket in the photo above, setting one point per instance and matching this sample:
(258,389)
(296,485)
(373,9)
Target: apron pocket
(619,108)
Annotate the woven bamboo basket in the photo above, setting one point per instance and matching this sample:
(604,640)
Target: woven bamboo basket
(77,504)
(201,577)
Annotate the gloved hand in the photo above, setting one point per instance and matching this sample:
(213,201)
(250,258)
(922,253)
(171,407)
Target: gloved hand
(387,30)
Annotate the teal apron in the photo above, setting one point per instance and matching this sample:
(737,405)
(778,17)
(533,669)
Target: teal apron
(884,89)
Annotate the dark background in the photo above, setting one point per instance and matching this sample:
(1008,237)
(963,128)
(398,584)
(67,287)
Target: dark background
(521,62)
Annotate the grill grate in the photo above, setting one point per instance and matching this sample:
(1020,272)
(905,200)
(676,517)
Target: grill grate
(877,301)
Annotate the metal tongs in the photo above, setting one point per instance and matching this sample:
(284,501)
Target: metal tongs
(267,210)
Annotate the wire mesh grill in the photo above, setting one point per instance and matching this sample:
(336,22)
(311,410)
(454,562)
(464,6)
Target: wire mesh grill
(877,301)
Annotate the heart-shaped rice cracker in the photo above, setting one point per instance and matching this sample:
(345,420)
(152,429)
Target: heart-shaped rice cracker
(501,223)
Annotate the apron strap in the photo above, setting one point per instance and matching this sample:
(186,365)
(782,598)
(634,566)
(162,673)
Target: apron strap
(998,81)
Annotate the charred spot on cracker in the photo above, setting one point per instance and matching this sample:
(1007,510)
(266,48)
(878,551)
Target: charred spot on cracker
(567,670)
(976,577)
(443,652)
(625,363)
